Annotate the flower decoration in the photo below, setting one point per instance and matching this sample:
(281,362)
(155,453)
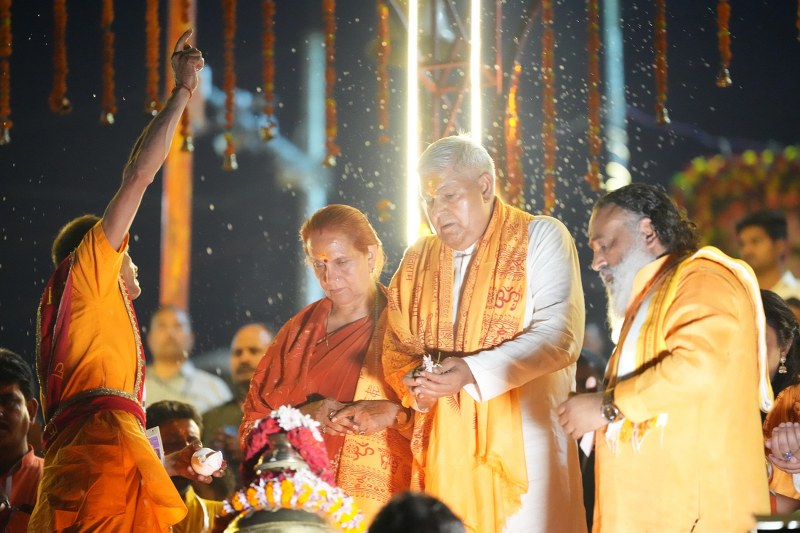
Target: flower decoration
(303,434)
(309,490)
(717,191)
(300,490)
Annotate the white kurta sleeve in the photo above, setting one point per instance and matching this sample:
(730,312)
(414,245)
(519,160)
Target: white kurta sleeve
(554,317)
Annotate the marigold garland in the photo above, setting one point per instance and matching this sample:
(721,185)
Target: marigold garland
(268,67)
(152,58)
(5,72)
(329,16)
(229,82)
(109,101)
(548,106)
(186,117)
(513,188)
(384,50)
(724,36)
(58,95)
(660,63)
(593,176)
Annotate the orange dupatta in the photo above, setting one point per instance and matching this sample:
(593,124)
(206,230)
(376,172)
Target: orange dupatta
(468,454)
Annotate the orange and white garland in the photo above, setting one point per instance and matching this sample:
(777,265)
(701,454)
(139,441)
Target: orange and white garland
(268,67)
(152,57)
(660,45)
(329,17)
(5,72)
(109,101)
(186,118)
(384,48)
(724,36)
(549,106)
(229,7)
(593,175)
(58,95)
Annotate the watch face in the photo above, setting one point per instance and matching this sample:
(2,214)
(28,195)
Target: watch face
(610,412)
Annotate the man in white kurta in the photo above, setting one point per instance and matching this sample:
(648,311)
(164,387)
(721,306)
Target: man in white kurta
(533,364)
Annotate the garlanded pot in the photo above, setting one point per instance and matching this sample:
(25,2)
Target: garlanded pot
(289,485)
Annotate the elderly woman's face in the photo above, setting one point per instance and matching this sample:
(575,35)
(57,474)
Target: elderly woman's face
(343,271)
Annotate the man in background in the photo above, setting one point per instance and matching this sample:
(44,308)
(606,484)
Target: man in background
(20,469)
(221,424)
(172,376)
(180,425)
(764,244)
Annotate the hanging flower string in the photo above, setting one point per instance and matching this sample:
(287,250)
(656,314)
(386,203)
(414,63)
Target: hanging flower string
(152,55)
(329,15)
(230,83)
(384,49)
(58,95)
(548,106)
(5,72)
(186,117)
(660,45)
(109,101)
(724,36)
(268,67)
(594,177)
(514,193)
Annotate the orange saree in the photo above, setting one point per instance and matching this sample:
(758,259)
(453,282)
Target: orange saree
(304,364)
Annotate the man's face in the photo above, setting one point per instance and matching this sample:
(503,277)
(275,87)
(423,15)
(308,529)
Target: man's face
(619,253)
(130,273)
(176,434)
(758,249)
(16,414)
(458,205)
(247,349)
(170,337)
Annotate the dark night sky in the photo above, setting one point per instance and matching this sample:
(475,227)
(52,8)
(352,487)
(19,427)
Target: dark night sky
(246,257)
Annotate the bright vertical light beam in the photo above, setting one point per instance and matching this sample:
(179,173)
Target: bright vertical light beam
(412,126)
(475,71)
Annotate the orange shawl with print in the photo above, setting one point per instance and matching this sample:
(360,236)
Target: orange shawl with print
(370,468)
(468,454)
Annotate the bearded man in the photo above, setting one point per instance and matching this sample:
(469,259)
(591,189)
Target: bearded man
(679,445)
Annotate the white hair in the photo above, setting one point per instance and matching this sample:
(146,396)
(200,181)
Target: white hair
(457,152)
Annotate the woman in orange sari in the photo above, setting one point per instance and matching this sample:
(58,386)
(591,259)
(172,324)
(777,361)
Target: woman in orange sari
(783,355)
(326,361)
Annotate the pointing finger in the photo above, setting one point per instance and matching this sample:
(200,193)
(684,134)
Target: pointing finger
(182,41)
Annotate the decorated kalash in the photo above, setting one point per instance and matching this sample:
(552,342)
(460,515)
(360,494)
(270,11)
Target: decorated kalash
(288,482)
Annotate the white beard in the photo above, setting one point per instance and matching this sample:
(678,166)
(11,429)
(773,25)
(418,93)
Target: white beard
(620,288)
